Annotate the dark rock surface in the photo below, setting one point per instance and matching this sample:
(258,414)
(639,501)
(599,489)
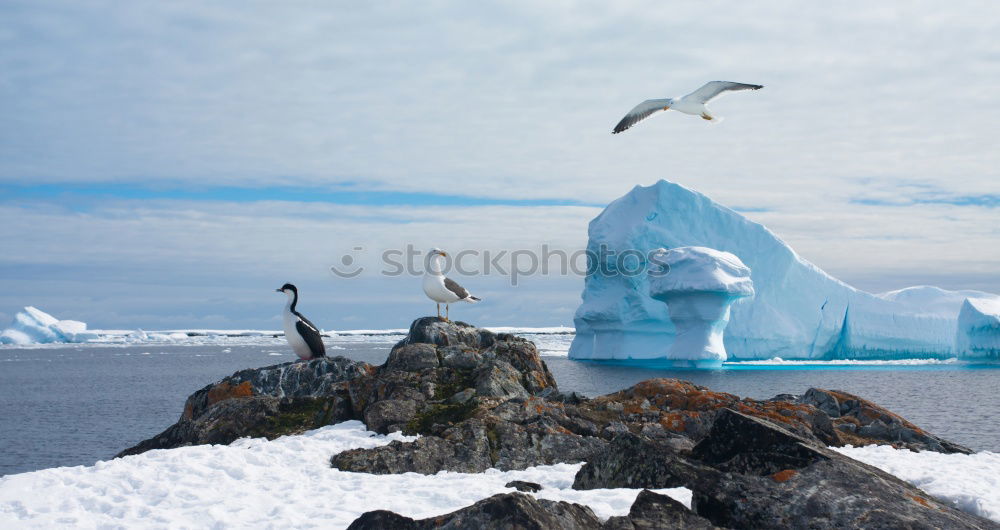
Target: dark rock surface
(283,399)
(524,512)
(527,487)
(743,444)
(505,511)
(652,511)
(636,461)
(751,473)
(858,421)
(482,400)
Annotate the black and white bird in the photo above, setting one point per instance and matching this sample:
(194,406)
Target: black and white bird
(302,335)
(693,103)
(440,289)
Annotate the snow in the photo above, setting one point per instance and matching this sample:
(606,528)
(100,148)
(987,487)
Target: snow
(798,311)
(978,335)
(287,482)
(934,300)
(698,269)
(968,482)
(32,326)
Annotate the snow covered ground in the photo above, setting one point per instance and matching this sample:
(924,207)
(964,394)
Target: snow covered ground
(969,482)
(283,483)
(288,483)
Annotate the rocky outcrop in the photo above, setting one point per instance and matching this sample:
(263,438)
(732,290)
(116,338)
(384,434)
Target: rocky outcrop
(481,400)
(506,511)
(520,485)
(859,421)
(284,399)
(748,472)
(523,512)
(652,511)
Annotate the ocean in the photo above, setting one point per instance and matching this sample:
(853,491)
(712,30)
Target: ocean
(72,405)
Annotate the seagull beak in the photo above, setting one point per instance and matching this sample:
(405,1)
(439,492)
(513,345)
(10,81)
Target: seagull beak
(445,254)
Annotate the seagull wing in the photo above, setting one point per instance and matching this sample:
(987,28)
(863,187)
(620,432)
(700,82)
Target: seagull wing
(640,112)
(311,335)
(461,292)
(712,89)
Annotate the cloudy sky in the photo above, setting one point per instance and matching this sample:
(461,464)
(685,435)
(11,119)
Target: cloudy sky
(168,165)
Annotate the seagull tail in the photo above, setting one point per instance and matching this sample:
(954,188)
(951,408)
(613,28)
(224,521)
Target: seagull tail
(472,299)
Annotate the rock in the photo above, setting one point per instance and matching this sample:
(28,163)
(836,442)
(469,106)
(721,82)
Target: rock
(481,400)
(829,494)
(632,461)
(652,511)
(461,357)
(771,478)
(861,422)
(820,399)
(505,511)
(499,379)
(439,332)
(256,416)
(464,396)
(382,520)
(465,448)
(266,402)
(316,378)
(689,410)
(390,415)
(412,358)
(742,444)
(520,485)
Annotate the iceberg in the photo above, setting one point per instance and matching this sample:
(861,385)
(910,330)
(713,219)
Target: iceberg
(798,312)
(34,326)
(978,335)
(698,285)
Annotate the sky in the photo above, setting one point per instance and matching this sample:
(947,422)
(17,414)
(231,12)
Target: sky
(168,164)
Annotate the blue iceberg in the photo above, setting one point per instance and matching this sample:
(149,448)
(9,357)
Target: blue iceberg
(798,311)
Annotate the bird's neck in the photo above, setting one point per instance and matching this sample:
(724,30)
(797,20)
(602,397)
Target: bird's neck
(293,298)
(434,267)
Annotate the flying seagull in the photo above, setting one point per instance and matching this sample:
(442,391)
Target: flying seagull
(693,103)
(440,289)
(302,335)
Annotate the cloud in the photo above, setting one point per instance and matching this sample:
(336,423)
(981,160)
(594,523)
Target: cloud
(870,149)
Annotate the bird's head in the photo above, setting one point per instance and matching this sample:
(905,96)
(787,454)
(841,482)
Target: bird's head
(437,252)
(287,289)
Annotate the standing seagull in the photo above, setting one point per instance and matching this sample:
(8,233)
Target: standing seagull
(302,335)
(693,103)
(440,289)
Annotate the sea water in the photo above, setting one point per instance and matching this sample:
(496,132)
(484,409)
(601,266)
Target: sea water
(77,404)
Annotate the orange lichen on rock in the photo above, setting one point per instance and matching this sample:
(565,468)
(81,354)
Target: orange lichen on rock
(868,411)
(783,475)
(780,412)
(677,394)
(674,421)
(920,500)
(633,407)
(224,391)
